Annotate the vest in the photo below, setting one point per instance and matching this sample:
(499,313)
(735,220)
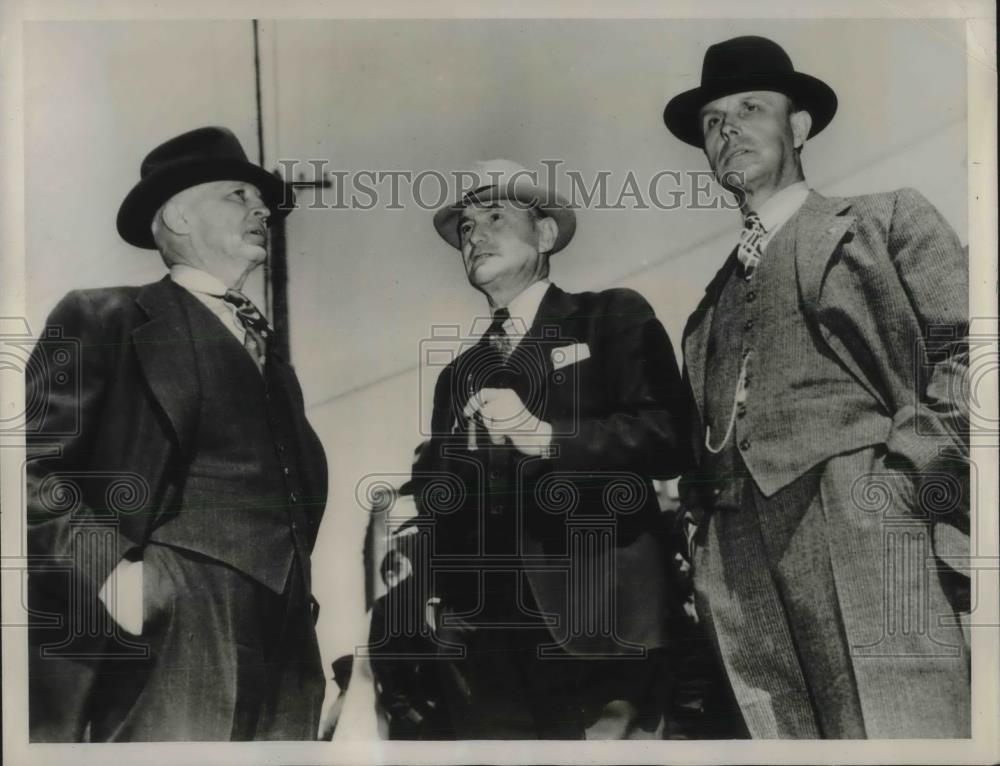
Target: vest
(808,406)
(242,499)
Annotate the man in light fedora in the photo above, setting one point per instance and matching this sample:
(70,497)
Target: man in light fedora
(547,573)
(827,361)
(174,496)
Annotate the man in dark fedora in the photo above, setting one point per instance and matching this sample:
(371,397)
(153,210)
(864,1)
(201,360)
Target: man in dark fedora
(827,361)
(547,575)
(174,497)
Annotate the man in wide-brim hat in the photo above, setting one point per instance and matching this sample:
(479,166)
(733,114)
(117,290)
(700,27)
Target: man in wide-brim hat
(803,360)
(186,439)
(546,432)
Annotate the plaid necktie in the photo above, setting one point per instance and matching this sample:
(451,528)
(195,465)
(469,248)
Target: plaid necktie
(499,340)
(253,322)
(750,249)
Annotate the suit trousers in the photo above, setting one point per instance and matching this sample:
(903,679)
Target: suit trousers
(826,610)
(505,688)
(502,689)
(228,659)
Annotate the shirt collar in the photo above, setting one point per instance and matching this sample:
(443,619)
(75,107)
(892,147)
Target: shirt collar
(196,280)
(778,209)
(524,307)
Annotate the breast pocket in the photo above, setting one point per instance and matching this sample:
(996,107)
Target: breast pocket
(575,390)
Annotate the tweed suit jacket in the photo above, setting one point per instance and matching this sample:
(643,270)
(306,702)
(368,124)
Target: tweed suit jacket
(883,281)
(619,420)
(882,285)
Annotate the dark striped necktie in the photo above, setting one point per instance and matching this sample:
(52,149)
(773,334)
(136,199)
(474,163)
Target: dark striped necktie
(499,340)
(253,322)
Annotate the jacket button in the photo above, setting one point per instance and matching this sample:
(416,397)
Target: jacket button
(293,497)
(494,475)
(748,325)
(286,470)
(744,444)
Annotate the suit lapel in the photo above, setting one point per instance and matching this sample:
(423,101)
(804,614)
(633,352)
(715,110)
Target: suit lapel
(697,329)
(166,355)
(821,224)
(556,305)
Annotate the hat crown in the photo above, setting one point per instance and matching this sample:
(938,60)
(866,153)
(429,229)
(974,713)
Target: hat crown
(744,56)
(744,64)
(488,181)
(497,172)
(199,145)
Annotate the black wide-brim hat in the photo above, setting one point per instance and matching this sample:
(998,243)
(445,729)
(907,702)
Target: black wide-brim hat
(744,64)
(192,158)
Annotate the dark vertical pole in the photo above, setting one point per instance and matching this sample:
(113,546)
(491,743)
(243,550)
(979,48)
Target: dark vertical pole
(256,82)
(276,268)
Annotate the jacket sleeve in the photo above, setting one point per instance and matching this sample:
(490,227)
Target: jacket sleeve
(645,428)
(65,386)
(933,269)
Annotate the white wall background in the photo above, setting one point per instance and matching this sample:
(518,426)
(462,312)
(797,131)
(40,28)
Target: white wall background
(367,286)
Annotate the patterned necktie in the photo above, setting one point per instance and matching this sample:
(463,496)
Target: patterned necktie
(750,249)
(253,322)
(499,340)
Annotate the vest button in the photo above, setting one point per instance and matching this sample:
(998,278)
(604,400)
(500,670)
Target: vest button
(748,325)
(751,296)
(744,444)
(286,470)
(741,410)
(293,497)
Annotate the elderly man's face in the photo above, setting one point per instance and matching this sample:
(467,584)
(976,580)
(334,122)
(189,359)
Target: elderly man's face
(500,245)
(750,140)
(227,224)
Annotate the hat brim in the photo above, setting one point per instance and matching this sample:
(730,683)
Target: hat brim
(552,204)
(682,113)
(135,216)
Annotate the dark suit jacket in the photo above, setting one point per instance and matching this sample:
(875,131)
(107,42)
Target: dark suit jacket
(115,422)
(618,421)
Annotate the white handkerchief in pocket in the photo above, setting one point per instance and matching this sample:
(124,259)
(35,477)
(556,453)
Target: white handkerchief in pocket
(565,355)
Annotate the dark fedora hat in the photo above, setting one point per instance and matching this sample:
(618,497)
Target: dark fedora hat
(192,158)
(743,64)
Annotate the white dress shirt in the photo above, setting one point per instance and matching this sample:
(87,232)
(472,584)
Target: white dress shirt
(523,310)
(209,290)
(776,212)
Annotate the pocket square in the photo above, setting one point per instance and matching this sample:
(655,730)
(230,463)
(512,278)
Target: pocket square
(565,355)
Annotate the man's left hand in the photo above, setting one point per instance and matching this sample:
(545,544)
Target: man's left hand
(505,417)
